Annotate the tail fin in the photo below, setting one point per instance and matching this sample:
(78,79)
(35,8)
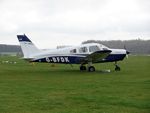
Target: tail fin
(28,48)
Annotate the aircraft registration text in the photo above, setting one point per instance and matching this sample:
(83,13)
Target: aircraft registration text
(58,59)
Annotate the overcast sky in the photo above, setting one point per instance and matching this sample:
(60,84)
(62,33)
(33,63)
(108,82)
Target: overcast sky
(49,23)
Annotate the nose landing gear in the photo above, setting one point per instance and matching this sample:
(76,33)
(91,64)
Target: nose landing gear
(117,68)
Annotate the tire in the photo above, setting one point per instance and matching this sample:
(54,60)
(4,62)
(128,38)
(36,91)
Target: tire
(91,69)
(82,68)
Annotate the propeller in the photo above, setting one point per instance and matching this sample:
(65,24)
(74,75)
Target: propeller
(127,52)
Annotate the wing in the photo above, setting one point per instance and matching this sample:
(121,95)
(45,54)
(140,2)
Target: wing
(97,56)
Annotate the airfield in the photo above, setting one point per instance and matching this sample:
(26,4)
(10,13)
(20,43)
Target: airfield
(43,88)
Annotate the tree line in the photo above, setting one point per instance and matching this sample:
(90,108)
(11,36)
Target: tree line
(10,48)
(134,46)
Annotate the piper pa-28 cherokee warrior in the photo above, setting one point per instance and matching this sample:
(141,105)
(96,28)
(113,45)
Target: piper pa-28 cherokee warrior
(83,54)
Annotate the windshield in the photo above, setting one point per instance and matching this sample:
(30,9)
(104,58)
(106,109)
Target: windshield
(93,48)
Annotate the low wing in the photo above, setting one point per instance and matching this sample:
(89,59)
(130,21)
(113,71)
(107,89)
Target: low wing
(97,56)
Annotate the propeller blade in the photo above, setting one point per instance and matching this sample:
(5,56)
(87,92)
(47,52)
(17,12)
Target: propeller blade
(127,52)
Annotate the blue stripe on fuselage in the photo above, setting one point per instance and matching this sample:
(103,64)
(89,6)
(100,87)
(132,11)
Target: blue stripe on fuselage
(61,59)
(78,59)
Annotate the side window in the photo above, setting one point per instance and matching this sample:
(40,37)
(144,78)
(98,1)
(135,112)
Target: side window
(83,50)
(93,48)
(73,51)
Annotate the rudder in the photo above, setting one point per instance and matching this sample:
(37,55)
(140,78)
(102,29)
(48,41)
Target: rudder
(28,48)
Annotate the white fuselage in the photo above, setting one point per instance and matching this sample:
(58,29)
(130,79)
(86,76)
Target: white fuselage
(78,51)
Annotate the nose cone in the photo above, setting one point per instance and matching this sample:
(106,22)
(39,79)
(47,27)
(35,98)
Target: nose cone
(127,52)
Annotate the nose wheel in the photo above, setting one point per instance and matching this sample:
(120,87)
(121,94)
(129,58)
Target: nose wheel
(117,68)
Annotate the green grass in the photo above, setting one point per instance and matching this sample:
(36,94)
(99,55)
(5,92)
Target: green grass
(25,88)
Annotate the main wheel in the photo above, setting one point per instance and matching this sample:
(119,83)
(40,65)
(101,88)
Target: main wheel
(91,69)
(82,68)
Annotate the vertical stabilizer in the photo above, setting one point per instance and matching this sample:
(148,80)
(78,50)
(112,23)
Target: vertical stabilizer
(28,48)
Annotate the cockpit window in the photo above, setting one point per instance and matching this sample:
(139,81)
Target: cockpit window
(73,51)
(93,48)
(83,50)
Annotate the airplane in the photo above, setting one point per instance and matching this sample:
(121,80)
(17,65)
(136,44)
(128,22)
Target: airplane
(84,54)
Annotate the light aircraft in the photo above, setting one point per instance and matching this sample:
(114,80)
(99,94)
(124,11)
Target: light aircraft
(82,54)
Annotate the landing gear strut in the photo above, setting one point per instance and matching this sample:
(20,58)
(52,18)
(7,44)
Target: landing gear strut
(117,68)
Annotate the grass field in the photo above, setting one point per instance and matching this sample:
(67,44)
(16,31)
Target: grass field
(25,88)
